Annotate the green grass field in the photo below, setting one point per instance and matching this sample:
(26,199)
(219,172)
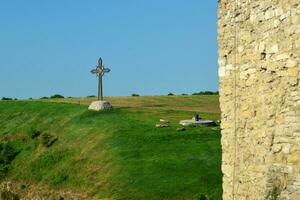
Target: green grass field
(115,154)
(203,103)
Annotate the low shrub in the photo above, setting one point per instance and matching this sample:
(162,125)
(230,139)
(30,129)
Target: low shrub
(44,98)
(33,133)
(57,96)
(3,170)
(274,194)
(6,99)
(7,154)
(170,94)
(135,95)
(203,197)
(206,93)
(48,139)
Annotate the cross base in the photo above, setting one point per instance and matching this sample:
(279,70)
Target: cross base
(100,105)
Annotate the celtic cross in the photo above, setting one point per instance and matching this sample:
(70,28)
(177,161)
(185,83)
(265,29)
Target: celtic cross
(100,71)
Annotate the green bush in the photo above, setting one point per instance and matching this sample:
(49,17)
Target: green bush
(170,94)
(135,95)
(57,96)
(7,152)
(3,170)
(203,197)
(274,194)
(7,155)
(44,97)
(6,99)
(33,133)
(206,93)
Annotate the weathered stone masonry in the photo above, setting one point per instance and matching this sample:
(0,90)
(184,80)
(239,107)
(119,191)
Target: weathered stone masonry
(259,65)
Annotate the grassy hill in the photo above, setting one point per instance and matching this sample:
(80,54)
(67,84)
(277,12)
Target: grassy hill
(116,154)
(203,103)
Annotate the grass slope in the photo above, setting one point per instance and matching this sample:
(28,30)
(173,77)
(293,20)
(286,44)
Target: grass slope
(199,103)
(115,154)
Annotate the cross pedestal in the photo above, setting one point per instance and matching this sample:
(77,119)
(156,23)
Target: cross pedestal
(100,105)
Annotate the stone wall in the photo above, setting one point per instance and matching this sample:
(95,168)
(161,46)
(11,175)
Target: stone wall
(259,65)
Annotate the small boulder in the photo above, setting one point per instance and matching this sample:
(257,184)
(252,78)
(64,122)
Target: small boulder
(180,129)
(161,125)
(164,121)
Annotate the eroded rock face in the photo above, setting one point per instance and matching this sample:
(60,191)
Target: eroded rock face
(259,56)
(100,105)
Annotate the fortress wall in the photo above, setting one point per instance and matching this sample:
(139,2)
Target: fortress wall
(259,72)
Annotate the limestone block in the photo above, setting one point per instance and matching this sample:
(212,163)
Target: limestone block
(291,63)
(297,43)
(273,49)
(293,71)
(297,29)
(262,47)
(227,170)
(286,148)
(269,14)
(100,105)
(283,56)
(280,140)
(278,11)
(276,148)
(294,158)
(222,71)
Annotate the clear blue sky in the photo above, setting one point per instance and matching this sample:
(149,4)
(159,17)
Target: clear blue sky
(153,47)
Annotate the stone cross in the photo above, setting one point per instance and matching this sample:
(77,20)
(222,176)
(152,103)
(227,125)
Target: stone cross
(100,71)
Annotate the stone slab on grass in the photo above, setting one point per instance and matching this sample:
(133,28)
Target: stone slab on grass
(192,122)
(100,105)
